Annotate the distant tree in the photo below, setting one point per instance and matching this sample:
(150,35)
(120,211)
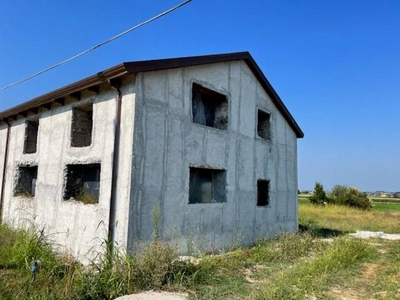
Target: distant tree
(396,195)
(358,199)
(338,194)
(319,195)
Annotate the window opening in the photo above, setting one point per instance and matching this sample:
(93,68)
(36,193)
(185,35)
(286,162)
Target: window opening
(31,136)
(26,181)
(262,192)
(264,125)
(207,186)
(83,183)
(209,108)
(82,125)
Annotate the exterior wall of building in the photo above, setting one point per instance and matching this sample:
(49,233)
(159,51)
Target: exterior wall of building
(80,228)
(167,143)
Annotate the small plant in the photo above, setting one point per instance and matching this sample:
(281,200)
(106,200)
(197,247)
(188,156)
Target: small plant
(23,194)
(156,217)
(86,198)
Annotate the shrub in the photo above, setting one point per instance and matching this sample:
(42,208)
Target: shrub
(319,195)
(338,194)
(349,196)
(358,199)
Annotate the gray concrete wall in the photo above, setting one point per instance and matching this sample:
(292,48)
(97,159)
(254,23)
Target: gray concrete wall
(79,228)
(167,142)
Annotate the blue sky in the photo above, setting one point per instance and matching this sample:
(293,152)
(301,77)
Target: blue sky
(335,64)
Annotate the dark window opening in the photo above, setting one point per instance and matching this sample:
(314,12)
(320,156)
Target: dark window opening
(209,108)
(262,192)
(82,125)
(31,136)
(264,125)
(83,183)
(26,181)
(207,186)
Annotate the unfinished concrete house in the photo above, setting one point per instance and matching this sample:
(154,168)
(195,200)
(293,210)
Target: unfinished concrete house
(202,144)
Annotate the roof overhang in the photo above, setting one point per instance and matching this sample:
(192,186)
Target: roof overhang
(148,66)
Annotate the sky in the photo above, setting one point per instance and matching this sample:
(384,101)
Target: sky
(335,65)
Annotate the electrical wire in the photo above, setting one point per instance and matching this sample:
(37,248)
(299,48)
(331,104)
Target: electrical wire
(96,46)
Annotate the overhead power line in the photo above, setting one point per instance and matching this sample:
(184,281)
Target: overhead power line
(96,46)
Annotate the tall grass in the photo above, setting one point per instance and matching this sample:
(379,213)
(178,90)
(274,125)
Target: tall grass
(345,219)
(310,277)
(156,266)
(291,266)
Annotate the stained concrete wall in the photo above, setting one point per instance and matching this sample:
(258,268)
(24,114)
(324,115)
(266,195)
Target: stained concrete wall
(79,228)
(167,143)
(159,142)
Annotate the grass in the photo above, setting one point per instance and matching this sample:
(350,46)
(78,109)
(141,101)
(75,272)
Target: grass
(386,206)
(320,261)
(385,200)
(344,219)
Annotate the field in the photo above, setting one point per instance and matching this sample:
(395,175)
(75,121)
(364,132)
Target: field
(319,262)
(379,204)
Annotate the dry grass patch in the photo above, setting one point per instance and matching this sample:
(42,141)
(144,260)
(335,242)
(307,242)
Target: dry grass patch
(346,219)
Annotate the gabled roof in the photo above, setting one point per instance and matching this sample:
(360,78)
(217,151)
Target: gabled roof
(153,65)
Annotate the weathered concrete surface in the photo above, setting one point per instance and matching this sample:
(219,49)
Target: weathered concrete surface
(168,142)
(79,228)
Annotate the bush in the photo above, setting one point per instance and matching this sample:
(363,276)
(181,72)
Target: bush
(338,194)
(319,195)
(357,199)
(349,196)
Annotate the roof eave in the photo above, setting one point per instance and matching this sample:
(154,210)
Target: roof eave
(80,85)
(156,65)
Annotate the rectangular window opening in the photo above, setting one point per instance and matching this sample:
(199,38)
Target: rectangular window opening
(262,192)
(207,186)
(209,108)
(26,181)
(82,125)
(264,125)
(31,136)
(83,183)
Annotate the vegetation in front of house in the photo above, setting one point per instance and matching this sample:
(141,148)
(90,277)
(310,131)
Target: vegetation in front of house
(86,197)
(320,261)
(340,195)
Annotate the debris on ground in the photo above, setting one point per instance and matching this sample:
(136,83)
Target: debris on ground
(375,234)
(152,295)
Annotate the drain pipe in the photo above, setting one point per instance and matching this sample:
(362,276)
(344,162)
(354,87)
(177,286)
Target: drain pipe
(116,85)
(3,179)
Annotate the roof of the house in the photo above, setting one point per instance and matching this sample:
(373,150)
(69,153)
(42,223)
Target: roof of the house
(146,66)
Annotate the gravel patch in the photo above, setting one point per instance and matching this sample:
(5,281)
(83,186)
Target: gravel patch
(375,234)
(151,295)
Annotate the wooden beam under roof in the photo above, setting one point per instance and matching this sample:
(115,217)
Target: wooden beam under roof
(76,96)
(59,101)
(94,90)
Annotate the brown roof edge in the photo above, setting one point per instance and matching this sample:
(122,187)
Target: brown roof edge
(156,65)
(93,80)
